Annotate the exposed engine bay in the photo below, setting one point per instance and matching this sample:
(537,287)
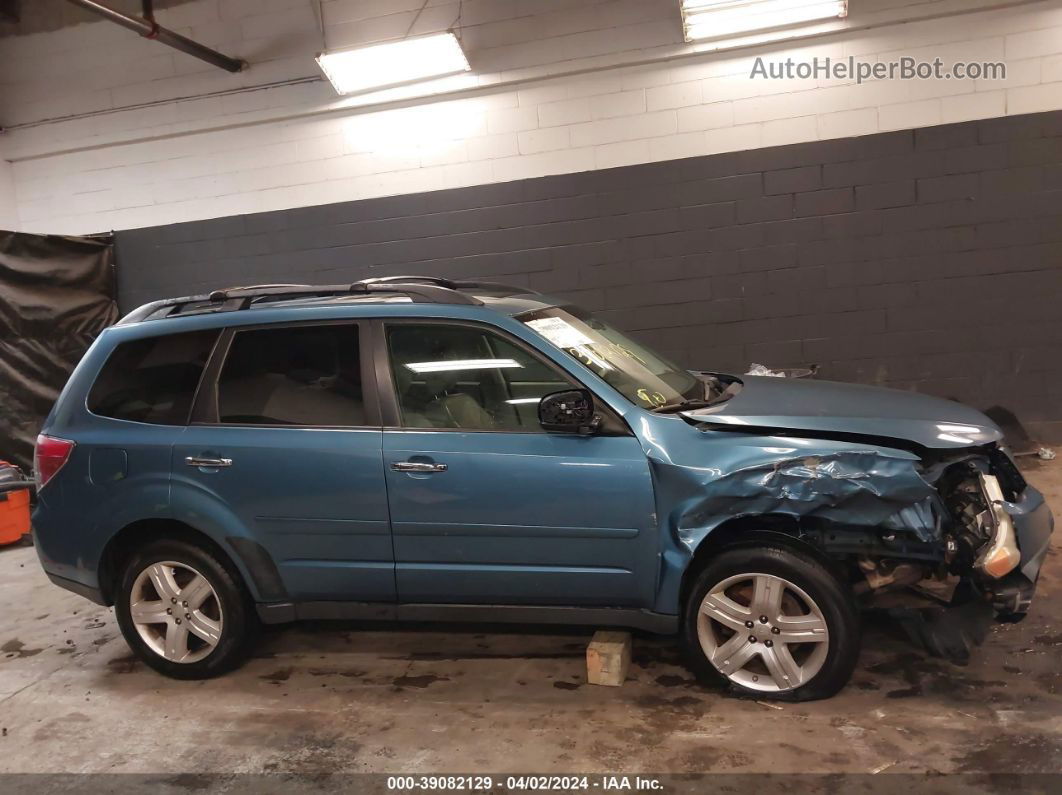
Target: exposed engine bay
(979,553)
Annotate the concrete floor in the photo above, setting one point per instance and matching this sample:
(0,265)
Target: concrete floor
(329,698)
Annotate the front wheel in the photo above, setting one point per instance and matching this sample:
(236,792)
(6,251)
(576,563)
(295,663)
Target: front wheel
(183,612)
(773,624)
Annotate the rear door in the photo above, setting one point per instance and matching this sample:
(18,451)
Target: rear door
(119,470)
(486,507)
(285,433)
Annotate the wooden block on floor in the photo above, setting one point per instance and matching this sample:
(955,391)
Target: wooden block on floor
(608,657)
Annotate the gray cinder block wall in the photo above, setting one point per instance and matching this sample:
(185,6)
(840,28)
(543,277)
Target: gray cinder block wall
(927,259)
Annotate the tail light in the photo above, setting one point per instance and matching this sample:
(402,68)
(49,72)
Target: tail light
(49,457)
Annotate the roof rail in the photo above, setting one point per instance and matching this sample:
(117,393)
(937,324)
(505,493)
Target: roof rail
(421,289)
(454,284)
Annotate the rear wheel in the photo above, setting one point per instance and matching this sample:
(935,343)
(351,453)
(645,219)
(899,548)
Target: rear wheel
(183,612)
(772,623)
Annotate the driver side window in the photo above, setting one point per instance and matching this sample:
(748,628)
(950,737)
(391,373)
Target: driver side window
(464,377)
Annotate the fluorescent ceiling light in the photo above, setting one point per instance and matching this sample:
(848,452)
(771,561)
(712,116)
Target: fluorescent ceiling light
(520,401)
(393,63)
(716,19)
(449,365)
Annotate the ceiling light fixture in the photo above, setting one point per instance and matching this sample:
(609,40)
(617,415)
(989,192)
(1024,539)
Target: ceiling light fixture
(716,19)
(393,63)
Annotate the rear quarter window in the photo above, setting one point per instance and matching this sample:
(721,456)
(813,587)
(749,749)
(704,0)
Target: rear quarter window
(152,380)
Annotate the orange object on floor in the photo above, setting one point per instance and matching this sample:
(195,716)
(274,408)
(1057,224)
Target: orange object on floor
(14,507)
(14,516)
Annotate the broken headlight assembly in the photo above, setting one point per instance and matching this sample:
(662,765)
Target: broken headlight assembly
(983,540)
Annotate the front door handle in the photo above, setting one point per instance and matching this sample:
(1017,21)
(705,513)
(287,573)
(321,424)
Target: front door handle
(197,461)
(417,466)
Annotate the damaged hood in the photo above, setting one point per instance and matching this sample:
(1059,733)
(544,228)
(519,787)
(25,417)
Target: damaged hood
(827,408)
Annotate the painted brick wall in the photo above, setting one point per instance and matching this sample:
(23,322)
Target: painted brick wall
(927,259)
(298,145)
(8,204)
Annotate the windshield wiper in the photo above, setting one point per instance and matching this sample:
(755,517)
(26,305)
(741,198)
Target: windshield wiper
(689,403)
(684,405)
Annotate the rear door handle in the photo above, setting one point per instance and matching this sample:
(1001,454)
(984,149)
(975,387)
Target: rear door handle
(417,466)
(197,461)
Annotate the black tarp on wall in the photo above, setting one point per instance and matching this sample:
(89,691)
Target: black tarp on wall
(56,295)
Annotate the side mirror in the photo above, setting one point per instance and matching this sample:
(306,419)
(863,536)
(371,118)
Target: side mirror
(571,410)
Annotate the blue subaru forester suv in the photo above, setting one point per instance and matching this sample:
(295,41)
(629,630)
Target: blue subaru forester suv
(419,448)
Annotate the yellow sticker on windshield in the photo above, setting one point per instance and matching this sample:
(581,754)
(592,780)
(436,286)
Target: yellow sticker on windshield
(628,353)
(652,398)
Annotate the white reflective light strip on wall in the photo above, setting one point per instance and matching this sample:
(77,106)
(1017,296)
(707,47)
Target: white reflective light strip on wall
(705,19)
(393,63)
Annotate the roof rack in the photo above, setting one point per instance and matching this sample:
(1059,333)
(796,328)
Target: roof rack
(451,284)
(420,289)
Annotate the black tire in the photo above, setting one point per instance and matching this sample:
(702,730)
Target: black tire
(832,597)
(240,626)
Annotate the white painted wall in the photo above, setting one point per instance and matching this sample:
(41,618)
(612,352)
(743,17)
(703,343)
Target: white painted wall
(8,207)
(558,86)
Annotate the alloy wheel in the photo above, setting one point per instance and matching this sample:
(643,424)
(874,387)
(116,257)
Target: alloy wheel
(763,632)
(176,611)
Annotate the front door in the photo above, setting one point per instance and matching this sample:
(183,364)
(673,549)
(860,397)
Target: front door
(486,507)
(283,435)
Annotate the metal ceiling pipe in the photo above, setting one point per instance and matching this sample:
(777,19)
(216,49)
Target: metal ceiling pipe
(150,29)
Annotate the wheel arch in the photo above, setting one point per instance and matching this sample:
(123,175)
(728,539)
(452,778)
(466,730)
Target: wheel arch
(246,560)
(777,530)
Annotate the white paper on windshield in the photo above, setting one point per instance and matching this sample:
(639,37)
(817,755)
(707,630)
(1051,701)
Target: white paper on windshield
(560,332)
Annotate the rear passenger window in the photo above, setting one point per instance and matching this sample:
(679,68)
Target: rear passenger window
(152,380)
(302,375)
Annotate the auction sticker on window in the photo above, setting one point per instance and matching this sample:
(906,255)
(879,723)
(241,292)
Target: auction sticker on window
(560,332)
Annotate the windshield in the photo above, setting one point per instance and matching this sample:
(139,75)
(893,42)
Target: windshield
(643,377)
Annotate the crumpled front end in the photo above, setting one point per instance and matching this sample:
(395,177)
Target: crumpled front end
(945,525)
(1000,528)
(850,487)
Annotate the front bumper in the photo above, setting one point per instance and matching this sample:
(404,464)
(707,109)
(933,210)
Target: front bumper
(1033,525)
(952,632)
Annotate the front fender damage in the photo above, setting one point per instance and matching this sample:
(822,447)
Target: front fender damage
(929,539)
(863,495)
(851,488)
